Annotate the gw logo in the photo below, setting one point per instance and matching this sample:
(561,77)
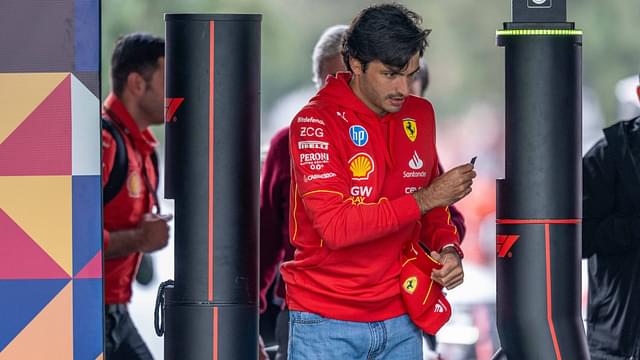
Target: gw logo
(361,191)
(539,3)
(311,131)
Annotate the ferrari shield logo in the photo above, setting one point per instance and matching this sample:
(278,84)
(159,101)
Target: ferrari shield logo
(410,284)
(409,126)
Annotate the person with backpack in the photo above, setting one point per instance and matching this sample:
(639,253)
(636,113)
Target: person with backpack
(133,224)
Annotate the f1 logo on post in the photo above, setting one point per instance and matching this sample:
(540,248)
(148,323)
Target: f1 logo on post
(544,4)
(504,244)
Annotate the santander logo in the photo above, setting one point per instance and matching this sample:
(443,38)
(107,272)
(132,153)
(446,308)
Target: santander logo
(415,163)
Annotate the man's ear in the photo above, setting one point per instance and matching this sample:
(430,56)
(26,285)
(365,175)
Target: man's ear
(136,83)
(356,66)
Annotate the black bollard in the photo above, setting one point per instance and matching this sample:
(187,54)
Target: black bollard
(539,202)
(212,172)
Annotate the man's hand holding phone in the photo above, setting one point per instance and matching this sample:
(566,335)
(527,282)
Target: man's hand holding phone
(447,188)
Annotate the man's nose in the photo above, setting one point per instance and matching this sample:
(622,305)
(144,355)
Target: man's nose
(403,85)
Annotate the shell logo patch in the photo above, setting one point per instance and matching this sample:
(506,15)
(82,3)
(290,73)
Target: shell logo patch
(410,284)
(410,128)
(361,166)
(134,184)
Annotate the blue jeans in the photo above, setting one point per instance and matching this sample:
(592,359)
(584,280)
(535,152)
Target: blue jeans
(313,337)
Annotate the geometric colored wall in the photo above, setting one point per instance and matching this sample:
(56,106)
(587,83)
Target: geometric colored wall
(50,186)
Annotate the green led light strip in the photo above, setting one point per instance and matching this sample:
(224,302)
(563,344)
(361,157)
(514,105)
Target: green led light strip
(529,32)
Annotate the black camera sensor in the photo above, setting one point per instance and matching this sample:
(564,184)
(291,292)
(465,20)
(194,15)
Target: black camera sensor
(539,3)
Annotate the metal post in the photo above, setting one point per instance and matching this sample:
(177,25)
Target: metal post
(212,167)
(539,201)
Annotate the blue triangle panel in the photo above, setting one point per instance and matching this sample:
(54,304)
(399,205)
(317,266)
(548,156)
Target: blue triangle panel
(88,312)
(21,301)
(86,217)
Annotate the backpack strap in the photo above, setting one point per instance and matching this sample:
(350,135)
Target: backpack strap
(118,174)
(154,160)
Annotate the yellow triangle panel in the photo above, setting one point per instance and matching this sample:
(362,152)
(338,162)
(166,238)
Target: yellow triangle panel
(41,206)
(20,94)
(49,335)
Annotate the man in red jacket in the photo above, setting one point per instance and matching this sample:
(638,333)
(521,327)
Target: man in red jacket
(130,226)
(365,180)
(276,180)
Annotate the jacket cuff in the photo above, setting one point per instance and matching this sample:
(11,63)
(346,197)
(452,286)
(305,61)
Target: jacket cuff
(456,247)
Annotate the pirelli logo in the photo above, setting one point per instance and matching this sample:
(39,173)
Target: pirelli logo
(302,145)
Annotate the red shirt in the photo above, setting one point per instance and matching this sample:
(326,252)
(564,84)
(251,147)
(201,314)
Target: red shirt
(351,208)
(133,201)
(274,214)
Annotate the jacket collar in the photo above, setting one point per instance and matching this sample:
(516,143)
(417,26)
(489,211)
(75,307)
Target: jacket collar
(115,110)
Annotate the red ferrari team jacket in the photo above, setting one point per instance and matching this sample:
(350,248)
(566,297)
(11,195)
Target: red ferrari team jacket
(134,200)
(351,209)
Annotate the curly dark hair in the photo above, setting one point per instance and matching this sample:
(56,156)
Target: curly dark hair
(135,52)
(390,33)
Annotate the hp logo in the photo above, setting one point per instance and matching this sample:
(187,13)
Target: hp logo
(359,135)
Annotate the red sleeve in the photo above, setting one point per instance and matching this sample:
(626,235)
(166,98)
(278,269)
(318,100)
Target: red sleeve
(458,221)
(456,216)
(323,179)
(108,159)
(274,211)
(438,229)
